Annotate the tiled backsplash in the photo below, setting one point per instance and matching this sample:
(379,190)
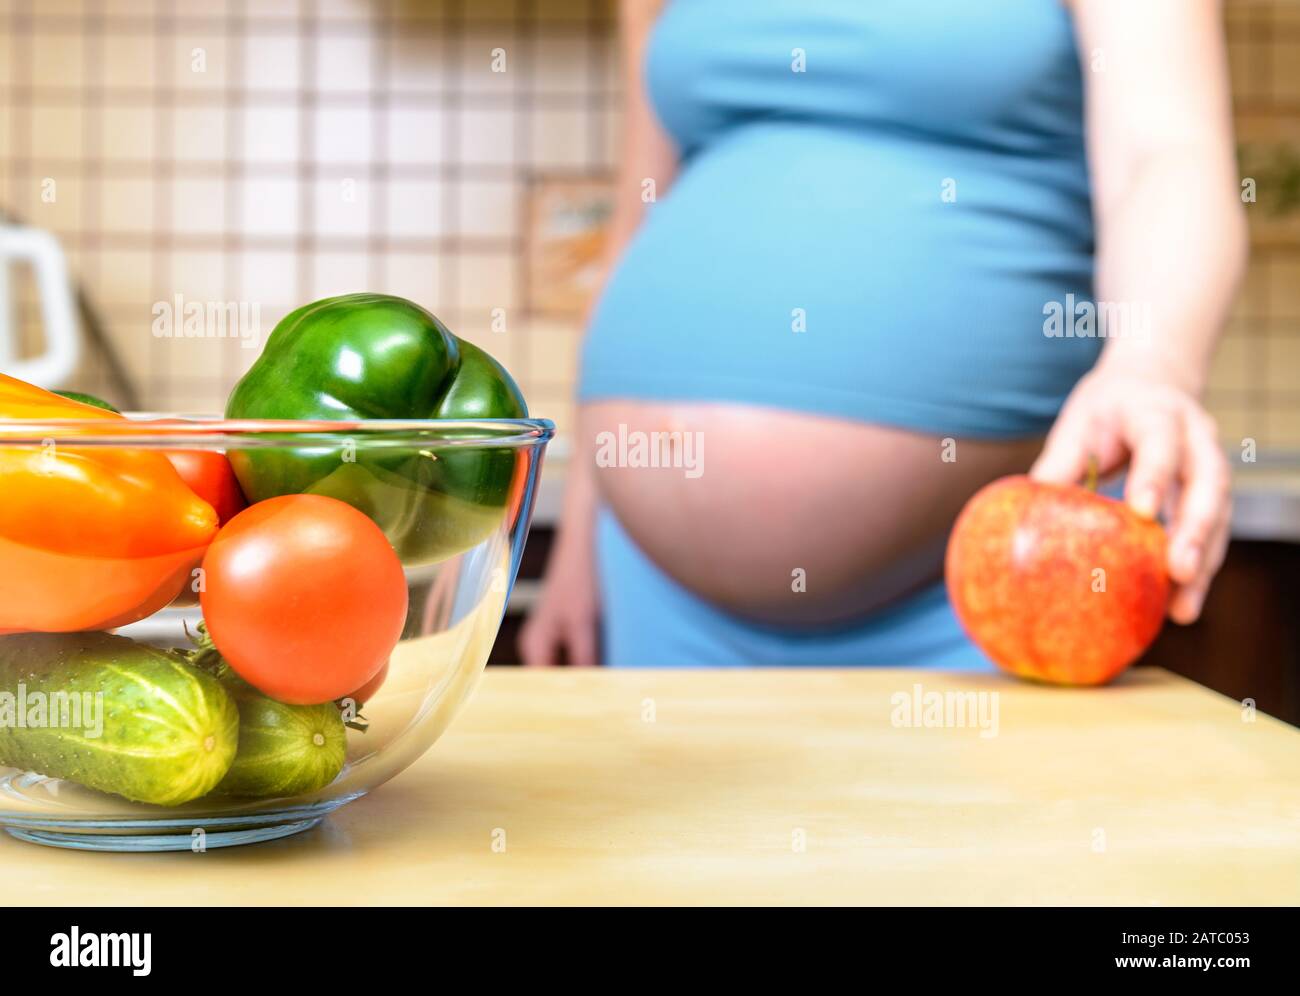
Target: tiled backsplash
(1255,386)
(276,151)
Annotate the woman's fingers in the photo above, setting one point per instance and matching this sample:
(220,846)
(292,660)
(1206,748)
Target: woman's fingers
(548,638)
(582,643)
(1185,606)
(538,642)
(1155,439)
(1200,530)
(1064,459)
(1088,429)
(1174,461)
(1180,447)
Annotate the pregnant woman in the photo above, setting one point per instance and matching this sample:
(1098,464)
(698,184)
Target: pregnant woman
(858,252)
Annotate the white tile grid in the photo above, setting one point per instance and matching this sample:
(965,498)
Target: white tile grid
(266,152)
(1254,387)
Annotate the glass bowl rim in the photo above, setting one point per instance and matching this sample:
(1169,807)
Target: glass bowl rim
(148,430)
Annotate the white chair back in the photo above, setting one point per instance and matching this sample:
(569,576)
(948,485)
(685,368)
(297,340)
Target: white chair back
(39,249)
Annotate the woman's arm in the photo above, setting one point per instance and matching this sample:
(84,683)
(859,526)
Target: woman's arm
(1171,246)
(646,153)
(566,614)
(1170,223)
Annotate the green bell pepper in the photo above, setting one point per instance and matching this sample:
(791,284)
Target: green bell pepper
(372,356)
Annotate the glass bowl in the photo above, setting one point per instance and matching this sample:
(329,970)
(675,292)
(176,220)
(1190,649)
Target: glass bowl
(453,498)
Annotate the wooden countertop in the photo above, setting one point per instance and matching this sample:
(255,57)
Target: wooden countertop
(775,787)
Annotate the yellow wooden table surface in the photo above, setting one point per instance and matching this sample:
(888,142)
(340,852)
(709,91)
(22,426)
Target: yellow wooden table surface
(776,787)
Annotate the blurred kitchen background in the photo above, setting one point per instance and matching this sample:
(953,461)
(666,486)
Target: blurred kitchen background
(457,152)
(273,152)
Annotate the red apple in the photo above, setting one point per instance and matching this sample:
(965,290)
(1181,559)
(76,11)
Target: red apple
(1057,584)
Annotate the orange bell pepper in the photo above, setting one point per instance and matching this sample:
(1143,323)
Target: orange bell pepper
(93,537)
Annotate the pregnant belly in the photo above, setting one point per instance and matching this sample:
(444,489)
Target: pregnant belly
(781,516)
(819,269)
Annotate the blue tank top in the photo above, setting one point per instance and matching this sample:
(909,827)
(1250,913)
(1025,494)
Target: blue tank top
(877,204)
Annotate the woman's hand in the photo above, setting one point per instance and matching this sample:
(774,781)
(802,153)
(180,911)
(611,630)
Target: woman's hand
(1159,123)
(1175,462)
(563,624)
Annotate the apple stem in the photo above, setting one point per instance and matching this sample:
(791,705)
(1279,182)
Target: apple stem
(1090,482)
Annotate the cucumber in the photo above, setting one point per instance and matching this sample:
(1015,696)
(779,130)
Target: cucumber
(168,730)
(283,749)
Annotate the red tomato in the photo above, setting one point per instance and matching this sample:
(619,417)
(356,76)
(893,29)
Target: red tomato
(210,476)
(304,597)
(367,691)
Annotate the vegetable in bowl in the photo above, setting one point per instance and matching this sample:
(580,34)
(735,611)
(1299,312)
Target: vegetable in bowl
(373,356)
(330,577)
(114,715)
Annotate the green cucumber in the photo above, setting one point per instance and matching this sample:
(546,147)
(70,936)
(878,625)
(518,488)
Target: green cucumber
(167,731)
(283,749)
